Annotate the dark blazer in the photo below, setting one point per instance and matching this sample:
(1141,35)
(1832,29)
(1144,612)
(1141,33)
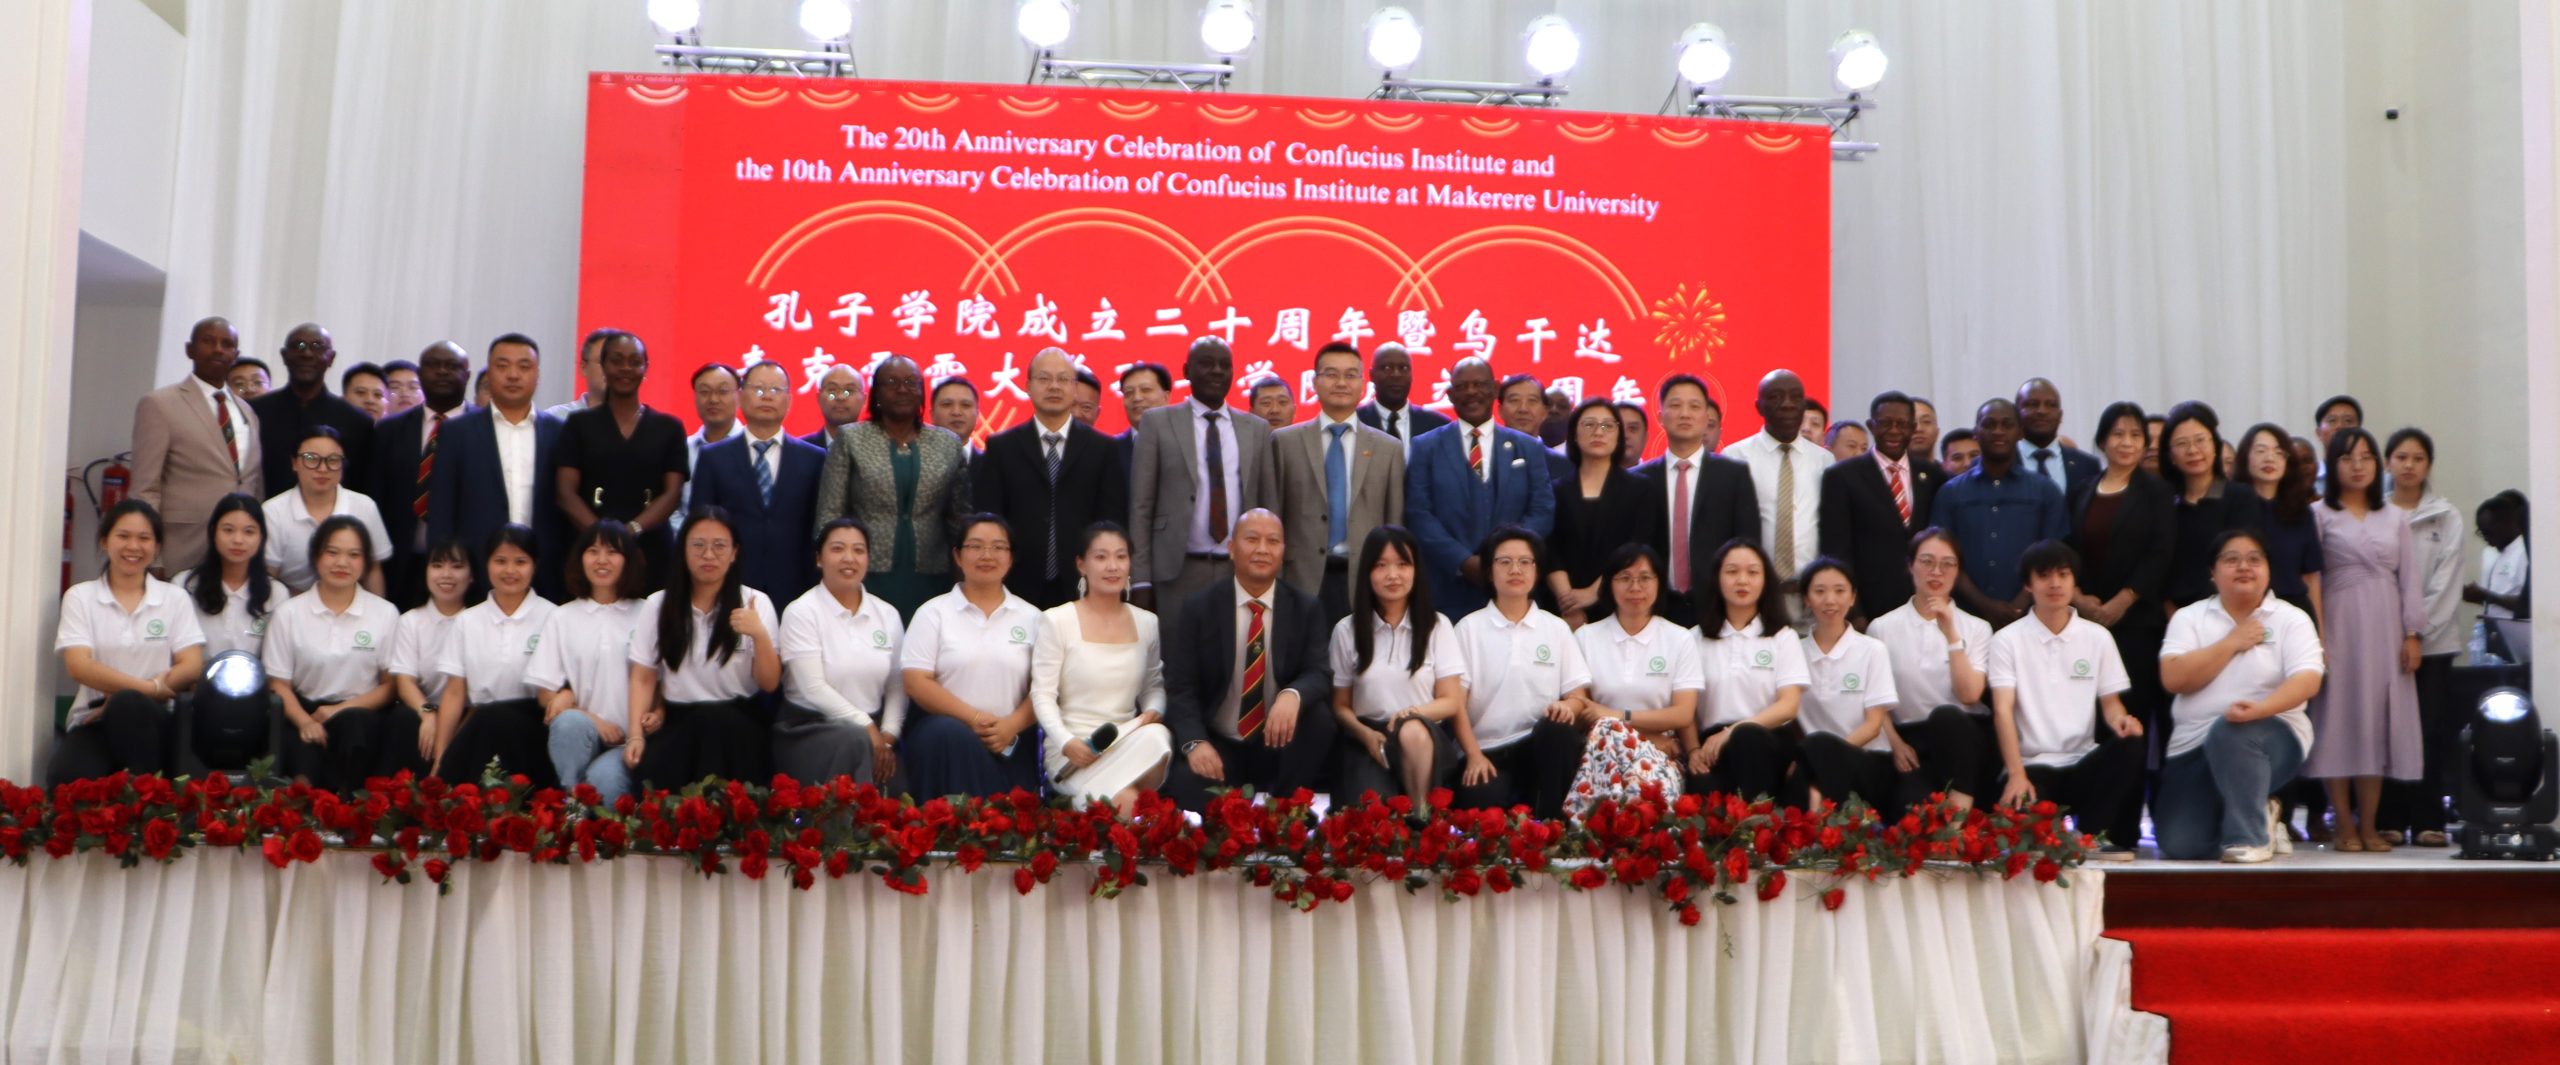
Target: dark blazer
(467,495)
(1424,420)
(282,420)
(2080,469)
(1722,506)
(1588,531)
(1860,526)
(392,481)
(2139,546)
(1200,654)
(777,545)
(1451,513)
(1012,480)
(1127,442)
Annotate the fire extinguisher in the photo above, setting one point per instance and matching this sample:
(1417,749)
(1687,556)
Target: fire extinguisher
(113,482)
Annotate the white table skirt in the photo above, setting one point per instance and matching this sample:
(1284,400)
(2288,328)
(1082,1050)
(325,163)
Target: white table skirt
(222,958)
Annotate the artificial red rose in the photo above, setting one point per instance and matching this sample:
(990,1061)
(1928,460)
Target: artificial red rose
(1689,915)
(1043,865)
(756,841)
(1676,889)
(1023,880)
(437,867)
(388,864)
(708,861)
(2046,871)
(2017,864)
(838,864)
(1465,882)
(1589,878)
(159,838)
(752,866)
(1737,865)
(1341,891)
(1182,854)
(803,880)
(273,848)
(970,857)
(1832,899)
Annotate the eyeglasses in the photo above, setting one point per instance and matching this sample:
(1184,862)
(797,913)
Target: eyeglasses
(1058,379)
(710,547)
(1634,579)
(2189,447)
(1594,426)
(306,345)
(313,460)
(839,393)
(984,547)
(1339,375)
(768,391)
(1933,563)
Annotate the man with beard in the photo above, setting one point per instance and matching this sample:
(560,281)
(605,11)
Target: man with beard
(2043,452)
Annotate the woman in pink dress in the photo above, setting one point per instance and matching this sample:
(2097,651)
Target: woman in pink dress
(2374,611)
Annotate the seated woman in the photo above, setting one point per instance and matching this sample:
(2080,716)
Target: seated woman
(1398,677)
(582,668)
(967,665)
(1941,737)
(1848,707)
(701,653)
(327,657)
(131,642)
(233,593)
(1097,683)
(1756,677)
(294,514)
(489,712)
(418,644)
(1644,670)
(2241,666)
(842,699)
(1522,729)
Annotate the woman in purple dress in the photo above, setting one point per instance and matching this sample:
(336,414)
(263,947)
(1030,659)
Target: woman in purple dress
(2376,611)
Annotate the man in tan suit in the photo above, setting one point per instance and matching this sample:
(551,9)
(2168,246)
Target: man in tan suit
(193,443)
(1331,480)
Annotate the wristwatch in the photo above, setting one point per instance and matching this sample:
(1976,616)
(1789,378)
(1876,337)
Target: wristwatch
(1628,716)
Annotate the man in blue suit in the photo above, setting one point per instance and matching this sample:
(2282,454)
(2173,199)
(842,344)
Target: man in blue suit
(1466,479)
(494,467)
(768,482)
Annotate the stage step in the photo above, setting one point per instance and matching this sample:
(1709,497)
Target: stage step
(2441,894)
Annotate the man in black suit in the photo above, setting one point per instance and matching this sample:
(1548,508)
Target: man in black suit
(482,481)
(1144,386)
(1050,477)
(1274,733)
(1873,505)
(403,465)
(840,400)
(287,414)
(1720,503)
(775,509)
(1391,371)
(2040,451)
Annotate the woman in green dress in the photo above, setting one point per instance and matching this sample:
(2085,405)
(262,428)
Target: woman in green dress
(908,480)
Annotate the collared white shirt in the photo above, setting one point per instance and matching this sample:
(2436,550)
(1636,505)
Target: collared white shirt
(141,644)
(1673,501)
(1745,671)
(2291,647)
(586,648)
(1230,704)
(429,424)
(1853,677)
(488,649)
(216,397)
(562,411)
(1484,437)
(702,679)
(2503,572)
(330,656)
(1889,469)
(290,525)
(418,645)
(1515,669)
(1350,451)
(1639,671)
(2058,678)
(844,663)
(1201,542)
(982,659)
(1403,430)
(693,445)
(515,462)
(1760,451)
(1919,651)
(233,629)
(1387,688)
(2053,464)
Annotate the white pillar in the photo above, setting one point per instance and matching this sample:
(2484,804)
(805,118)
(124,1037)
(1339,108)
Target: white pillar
(2540,41)
(43,98)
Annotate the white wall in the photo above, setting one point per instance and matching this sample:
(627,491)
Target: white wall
(137,68)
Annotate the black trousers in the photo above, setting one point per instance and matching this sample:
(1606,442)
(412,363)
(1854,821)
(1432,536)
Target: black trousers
(2419,805)
(1753,764)
(1356,774)
(2138,642)
(728,740)
(1253,763)
(130,733)
(1535,770)
(2094,789)
(362,744)
(1949,746)
(1958,752)
(509,732)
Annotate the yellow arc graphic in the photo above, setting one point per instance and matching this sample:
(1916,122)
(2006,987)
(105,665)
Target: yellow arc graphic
(891,211)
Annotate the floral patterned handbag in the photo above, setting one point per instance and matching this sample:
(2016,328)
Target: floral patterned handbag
(1617,763)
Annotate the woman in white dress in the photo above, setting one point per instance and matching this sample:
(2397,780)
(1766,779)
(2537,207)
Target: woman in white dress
(1097,683)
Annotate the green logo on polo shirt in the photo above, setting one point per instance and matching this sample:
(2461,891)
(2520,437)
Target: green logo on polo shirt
(1657,667)
(531,642)
(880,637)
(1763,659)
(1849,682)
(2080,668)
(1020,636)
(364,640)
(159,628)
(258,628)
(1544,654)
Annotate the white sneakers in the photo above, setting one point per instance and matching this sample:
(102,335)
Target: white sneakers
(2248,855)
(2279,841)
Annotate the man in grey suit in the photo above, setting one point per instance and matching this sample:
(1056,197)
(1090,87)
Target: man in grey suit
(1331,480)
(193,443)
(1194,463)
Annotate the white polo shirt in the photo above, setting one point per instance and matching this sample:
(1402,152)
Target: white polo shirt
(2503,571)
(1639,671)
(701,680)
(289,529)
(1853,677)
(1515,669)
(488,649)
(1744,672)
(2058,678)
(142,643)
(1920,652)
(2291,646)
(330,656)
(586,648)
(233,629)
(417,646)
(982,659)
(1387,687)
(844,663)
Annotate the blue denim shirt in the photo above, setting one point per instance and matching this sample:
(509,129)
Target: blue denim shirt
(1995,521)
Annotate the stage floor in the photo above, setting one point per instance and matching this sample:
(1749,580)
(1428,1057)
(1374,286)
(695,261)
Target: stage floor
(2318,858)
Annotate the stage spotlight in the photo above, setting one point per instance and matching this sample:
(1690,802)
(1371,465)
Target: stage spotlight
(826,20)
(1857,62)
(1704,56)
(2510,781)
(675,18)
(1552,46)
(1226,26)
(232,716)
(1395,39)
(1044,23)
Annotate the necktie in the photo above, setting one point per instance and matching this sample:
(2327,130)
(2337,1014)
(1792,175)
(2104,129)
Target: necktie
(764,473)
(1680,528)
(1217,453)
(1053,454)
(2043,467)
(1337,490)
(1475,452)
(1249,706)
(230,437)
(426,466)
(1395,422)
(1782,539)
(1901,494)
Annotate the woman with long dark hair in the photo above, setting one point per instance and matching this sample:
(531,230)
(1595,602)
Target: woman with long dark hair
(967,668)
(2374,623)
(489,711)
(1097,683)
(1528,688)
(1596,510)
(2266,457)
(701,653)
(2124,524)
(1398,676)
(131,642)
(2436,538)
(327,657)
(2207,504)
(582,668)
(417,686)
(1756,678)
(842,695)
(232,590)
(908,480)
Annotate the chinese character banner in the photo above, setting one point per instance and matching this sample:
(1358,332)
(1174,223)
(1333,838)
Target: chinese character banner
(826,224)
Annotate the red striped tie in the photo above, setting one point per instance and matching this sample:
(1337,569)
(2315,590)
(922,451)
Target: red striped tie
(1249,708)
(1901,497)
(426,464)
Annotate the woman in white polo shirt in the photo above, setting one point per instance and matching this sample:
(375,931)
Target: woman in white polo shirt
(319,493)
(582,668)
(842,699)
(967,665)
(490,711)
(701,652)
(1644,670)
(1756,677)
(1941,735)
(328,658)
(132,643)
(1398,677)
(1847,709)
(233,593)
(2054,675)
(2241,665)
(418,643)
(1527,690)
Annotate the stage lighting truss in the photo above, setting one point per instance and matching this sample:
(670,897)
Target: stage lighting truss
(686,53)
(1481,93)
(1834,115)
(1114,74)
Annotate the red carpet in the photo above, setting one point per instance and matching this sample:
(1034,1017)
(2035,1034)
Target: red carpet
(2337,995)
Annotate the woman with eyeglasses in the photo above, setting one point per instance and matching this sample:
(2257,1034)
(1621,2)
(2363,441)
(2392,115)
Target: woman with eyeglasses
(2206,504)
(1596,510)
(2266,455)
(908,480)
(1942,736)
(702,652)
(581,670)
(132,644)
(328,659)
(967,667)
(1644,670)
(1756,678)
(842,696)
(2243,664)
(1398,677)
(1528,689)
(319,493)
(489,711)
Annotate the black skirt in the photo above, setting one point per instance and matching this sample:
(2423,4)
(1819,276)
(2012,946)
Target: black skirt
(509,732)
(697,740)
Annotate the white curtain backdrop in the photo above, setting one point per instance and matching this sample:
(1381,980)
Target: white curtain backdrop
(220,958)
(2155,201)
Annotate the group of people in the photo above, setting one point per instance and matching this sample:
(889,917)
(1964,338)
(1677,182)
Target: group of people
(1378,598)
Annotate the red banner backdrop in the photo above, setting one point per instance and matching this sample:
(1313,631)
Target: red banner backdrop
(825,223)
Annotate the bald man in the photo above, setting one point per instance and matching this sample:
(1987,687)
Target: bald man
(404,461)
(193,443)
(1786,474)
(1050,478)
